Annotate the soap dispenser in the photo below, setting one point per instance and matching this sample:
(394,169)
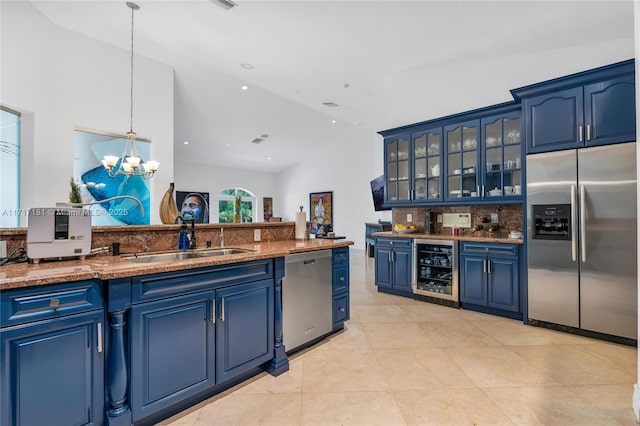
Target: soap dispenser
(183,239)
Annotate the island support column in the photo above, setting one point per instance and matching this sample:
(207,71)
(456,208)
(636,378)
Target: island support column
(280,363)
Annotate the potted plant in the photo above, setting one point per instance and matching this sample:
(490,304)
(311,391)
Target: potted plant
(238,206)
(74,193)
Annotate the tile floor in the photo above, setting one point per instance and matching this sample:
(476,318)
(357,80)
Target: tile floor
(404,362)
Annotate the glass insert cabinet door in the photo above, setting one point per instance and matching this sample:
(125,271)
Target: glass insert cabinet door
(503,156)
(462,159)
(426,164)
(397,168)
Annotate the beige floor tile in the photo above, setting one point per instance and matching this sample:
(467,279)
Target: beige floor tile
(380,313)
(442,367)
(352,337)
(397,335)
(494,367)
(572,365)
(623,357)
(548,405)
(289,382)
(432,312)
(449,407)
(614,400)
(403,370)
(330,369)
(513,332)
(457,333)
(351,408)
(252,409)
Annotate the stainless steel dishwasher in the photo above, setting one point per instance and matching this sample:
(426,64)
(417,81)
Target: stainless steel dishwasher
(306,298)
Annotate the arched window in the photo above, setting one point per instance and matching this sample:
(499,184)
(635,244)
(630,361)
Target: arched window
(236,201)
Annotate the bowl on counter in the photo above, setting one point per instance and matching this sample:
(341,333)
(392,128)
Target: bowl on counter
(404,231)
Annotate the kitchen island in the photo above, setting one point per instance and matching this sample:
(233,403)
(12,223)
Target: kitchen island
(107,340)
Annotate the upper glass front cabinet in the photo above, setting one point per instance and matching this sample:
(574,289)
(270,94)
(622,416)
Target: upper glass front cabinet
(503,156)
(462,160)
(397,169)
(426,164)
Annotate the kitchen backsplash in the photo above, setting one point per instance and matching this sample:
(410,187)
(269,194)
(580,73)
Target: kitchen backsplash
(510,218)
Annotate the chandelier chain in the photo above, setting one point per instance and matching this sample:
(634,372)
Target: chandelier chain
(131,75)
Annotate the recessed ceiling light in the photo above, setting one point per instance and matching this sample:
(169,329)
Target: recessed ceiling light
(228,144)
(247,66)
(333,121)
(244,87)
(186,142)
(268,158)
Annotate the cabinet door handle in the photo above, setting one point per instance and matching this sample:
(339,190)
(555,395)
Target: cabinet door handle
(484,265)
(342,310)
(390,257)
(482,191)
(54,303)
(580,133)
(213,311)
(99,330)
(342,279)
(488,266)
(222,309)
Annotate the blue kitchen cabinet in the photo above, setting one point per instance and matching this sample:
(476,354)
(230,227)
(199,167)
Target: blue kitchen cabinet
(340,286)
(52,369)
(397,170)
(244,331)
(393,263)
(192,331)
(172,351)
(590,108)
(462,161)
(426,166)
(489,276)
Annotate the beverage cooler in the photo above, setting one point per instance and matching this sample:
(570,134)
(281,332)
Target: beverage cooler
(435,277)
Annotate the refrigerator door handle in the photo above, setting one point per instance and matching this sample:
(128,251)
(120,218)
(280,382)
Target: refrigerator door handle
(583,220)
(574,243)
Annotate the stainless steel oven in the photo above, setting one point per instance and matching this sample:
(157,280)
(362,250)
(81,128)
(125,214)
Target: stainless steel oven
(435,274)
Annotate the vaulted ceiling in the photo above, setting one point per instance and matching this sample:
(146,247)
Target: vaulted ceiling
(295,56)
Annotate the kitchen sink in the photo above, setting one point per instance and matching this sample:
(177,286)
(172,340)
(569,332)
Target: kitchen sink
(167,257)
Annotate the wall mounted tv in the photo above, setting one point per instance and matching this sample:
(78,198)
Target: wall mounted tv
(377,191)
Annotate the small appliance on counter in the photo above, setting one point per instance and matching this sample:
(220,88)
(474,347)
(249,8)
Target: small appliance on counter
(429,222)
(58,232)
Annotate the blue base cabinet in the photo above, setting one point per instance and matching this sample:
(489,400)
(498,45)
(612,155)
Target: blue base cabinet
(52,370)
(340,286)
(183,346)
(393,266)
(489,276)
(172,351)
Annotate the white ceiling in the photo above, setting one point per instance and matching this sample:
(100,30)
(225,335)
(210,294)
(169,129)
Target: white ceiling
(309,52)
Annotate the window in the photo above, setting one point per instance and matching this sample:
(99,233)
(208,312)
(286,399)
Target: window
(9,167)
(228,208)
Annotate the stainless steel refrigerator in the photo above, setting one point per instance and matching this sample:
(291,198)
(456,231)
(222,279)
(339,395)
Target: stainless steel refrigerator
(581,238)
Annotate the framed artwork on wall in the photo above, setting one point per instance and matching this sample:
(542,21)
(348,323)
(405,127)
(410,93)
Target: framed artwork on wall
(267,208)
(321,212)
(194,204)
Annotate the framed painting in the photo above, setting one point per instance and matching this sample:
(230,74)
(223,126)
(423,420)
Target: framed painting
(193,204)
(321,212)
(267,208)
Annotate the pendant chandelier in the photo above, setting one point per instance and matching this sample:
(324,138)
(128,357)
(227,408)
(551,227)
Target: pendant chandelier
(130,163)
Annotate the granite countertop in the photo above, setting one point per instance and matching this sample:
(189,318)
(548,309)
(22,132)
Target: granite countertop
(480,238)
(106,267)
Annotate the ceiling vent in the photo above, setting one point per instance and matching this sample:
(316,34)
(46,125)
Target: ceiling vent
(257,140)
(226,4)
(330,104)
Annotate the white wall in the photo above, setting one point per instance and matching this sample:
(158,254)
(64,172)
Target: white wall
(196,177)
(65,80)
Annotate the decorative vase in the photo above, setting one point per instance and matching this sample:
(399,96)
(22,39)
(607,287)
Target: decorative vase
(236,218)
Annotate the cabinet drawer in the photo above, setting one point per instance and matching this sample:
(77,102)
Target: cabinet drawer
(340,256)
(340,279)
(157,286)
(394,242)
(340,309)
(489,248)
(36,303)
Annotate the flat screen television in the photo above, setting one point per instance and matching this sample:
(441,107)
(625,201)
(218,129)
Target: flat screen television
(377,191)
